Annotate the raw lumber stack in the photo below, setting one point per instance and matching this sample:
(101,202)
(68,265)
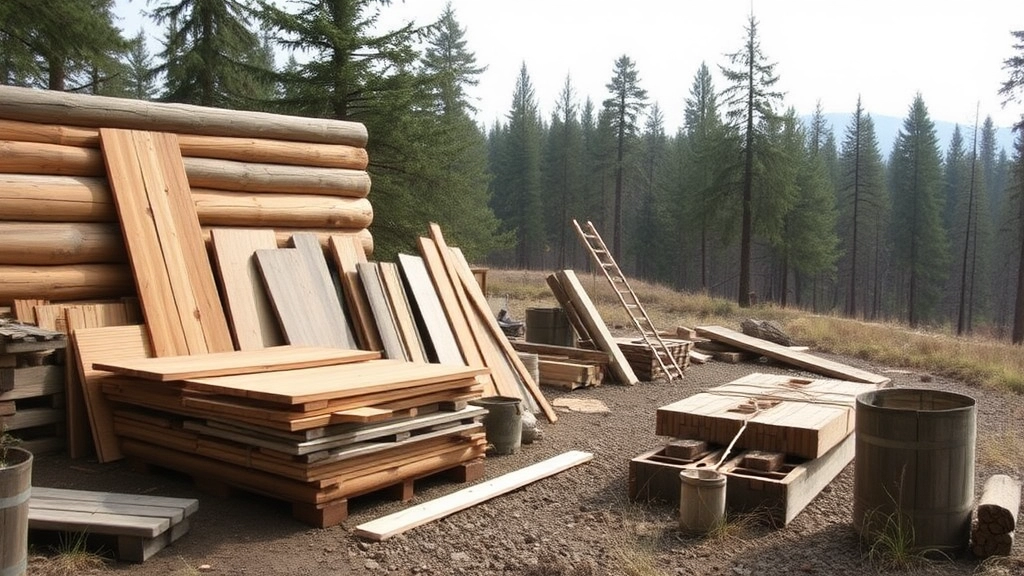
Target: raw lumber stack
(566,367)
(311,426)
(60,237)
(32,395)
(641,356)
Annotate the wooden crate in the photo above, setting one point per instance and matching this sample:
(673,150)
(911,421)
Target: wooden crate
(655,476)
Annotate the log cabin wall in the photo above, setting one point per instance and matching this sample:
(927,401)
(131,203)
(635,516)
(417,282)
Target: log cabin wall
(59,234)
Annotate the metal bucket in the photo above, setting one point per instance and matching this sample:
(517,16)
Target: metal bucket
(503,422)
(549,326)
(701,500)
(15,490)
(914,467)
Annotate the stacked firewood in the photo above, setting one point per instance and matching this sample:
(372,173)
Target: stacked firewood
(992,533)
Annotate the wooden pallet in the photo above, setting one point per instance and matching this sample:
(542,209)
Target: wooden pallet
(143,525)
(780,495)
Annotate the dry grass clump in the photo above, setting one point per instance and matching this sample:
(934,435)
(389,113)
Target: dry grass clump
(70,558)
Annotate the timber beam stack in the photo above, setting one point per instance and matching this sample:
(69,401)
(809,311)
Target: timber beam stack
(566,367)
(32,399)
(643,361)
(60,237)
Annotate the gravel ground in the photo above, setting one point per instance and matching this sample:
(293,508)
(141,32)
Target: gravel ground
(577,523)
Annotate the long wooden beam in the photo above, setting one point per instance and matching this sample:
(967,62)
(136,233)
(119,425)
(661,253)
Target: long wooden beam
(48,106)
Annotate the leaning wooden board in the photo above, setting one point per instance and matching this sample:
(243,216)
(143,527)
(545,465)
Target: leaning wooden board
(275,359)
(425,300)
(797,416)
(308,245)
(784,354)
(253,323)
(165,243)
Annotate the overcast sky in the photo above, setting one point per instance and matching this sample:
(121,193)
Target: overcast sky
(827,50)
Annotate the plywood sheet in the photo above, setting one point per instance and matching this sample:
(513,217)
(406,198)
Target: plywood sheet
(251,317)
(784,354)
(105,344)
(327,382)
(165,243)
(439,337)
(307,310)
(275,359)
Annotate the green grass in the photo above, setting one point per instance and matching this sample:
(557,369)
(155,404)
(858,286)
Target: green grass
(976,361)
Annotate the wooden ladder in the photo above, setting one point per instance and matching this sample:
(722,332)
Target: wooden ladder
(606,262)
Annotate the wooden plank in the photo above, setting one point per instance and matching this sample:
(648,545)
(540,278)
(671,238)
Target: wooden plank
(568,307)
(784,354)
(457,319)
(165,244)
(406,324)
(308,245)
(581,354)
(276,359)
(426,303)
(399,522)
(511,357)
(348,252)
(383,315)
(105,344)
(330,382)
(24,309)
(308,311)
(31,417)
(31,381)
(188,506)
(595,326)
(249,313)
(96,523)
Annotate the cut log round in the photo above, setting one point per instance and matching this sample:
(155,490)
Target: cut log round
(60,243)
(44,106)
(278,178)
(999,503)
(60,283)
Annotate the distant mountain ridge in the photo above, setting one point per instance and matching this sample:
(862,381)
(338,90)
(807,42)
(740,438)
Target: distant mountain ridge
(886,128)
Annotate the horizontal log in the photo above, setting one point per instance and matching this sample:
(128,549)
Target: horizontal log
(71,282)
(220,208)
(278,178)
(46,106)
(199,146)
(60,243)
(56,159)
(37,158)
(39,198)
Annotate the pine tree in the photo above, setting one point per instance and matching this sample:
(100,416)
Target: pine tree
(623,107)
(645,230)
(861,199)
(206,56)
(969,236)
(751,101)
(563,181)
(919,241)
(1013,90)
(140,82)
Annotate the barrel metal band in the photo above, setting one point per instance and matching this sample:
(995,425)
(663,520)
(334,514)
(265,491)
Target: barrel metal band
(16,500)
(16,570)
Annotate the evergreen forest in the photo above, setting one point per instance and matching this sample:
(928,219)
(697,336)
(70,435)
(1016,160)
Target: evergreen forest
(746,199)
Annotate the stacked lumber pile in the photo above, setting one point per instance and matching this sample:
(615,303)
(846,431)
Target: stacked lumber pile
(60,237)
(32,396)
(642,359)
(346,423)
(791,437)
(565,367)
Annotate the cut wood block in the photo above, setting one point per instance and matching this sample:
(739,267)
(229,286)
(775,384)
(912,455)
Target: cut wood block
(698,357)
(783,354)
(993,532)
(277,359)
(165,244)
(685,449)
(249,312)
(762,461)
(399,522)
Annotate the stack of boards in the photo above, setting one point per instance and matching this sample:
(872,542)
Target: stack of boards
(567,367)
(798,437)
(311,426)
(642,359)
(32,386)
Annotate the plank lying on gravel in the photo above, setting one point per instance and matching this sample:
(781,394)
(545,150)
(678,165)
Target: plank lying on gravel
(399,522)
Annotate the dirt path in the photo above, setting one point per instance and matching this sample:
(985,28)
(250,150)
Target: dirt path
(576,523)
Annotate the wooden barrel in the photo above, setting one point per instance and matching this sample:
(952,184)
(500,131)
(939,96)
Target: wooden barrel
(914,467)
(549,326)
(15,489)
